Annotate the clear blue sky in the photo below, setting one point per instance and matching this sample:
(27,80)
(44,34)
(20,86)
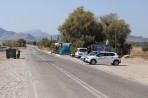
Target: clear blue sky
(47,15)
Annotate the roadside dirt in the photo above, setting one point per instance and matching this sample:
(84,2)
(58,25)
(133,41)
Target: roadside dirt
(14,77)
(132,68)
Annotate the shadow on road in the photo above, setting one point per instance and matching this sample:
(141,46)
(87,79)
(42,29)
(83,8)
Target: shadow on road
(109,65)
(22,58)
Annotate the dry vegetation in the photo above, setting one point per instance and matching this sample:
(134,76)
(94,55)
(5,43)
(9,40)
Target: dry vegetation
(137,52)
(145,55)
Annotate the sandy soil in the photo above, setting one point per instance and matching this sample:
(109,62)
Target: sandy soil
(135,69)
(13,78)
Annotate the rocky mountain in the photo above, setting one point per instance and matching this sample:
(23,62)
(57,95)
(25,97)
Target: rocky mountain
(28,35)
(10,35)
(38,34)
(131,38)
(5,34)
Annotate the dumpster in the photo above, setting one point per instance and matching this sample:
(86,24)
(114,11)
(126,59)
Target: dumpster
(11,53)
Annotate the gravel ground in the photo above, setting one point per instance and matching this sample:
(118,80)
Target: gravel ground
(14,78)
(135,69)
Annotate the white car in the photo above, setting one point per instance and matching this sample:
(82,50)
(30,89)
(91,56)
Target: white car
(103,58)
(83,57)
(80,52)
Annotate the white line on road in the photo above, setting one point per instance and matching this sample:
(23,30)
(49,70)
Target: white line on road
(95,92)
(35,90)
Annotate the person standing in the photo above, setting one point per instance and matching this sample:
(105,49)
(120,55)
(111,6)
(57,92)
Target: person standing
(18,54)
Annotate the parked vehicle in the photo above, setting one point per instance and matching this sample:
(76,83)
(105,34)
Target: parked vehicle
(83,57)
(11,53)
(80,52)
(3,48)
(104,58)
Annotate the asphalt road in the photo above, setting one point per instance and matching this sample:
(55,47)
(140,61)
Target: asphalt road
(54,77)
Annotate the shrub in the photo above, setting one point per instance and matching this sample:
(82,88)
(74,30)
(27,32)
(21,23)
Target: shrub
(11,43)
(145,48)
(126,49)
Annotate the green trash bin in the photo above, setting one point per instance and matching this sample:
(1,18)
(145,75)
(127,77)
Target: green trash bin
(11,53)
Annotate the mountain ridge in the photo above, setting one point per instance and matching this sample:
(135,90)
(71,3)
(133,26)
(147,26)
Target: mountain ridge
(38,35)
(132,38)
(33,35)
(10,35)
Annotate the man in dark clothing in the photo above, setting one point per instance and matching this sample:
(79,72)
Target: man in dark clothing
(18,54)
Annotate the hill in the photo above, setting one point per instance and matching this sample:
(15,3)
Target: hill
(10,35)
(28,35)
(132,38)
(38,34)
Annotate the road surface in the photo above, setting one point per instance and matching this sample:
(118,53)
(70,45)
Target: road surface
(54,77)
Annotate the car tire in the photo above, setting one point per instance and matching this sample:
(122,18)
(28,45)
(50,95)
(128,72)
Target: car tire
(84,59)
(116,62)
(93,62)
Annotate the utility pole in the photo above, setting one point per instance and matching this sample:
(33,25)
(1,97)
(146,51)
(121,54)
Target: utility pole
(115,38)
(115,33)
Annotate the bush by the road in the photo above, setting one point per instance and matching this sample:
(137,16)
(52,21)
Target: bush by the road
(17,43)
(145,48)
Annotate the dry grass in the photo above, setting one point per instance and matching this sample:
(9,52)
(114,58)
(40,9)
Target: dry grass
(145,55)
(137,52)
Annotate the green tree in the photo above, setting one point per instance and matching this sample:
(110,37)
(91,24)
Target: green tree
(106,21)
(120,30)
(45,42)
(145,48)
(81,28)
(51,42)
(22,42)
(115,29)
(32,43)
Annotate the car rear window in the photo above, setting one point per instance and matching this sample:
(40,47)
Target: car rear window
(82,50)
(93,53)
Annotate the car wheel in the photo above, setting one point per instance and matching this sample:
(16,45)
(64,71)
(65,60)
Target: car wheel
(116,62)
(93,62)
(84,59)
